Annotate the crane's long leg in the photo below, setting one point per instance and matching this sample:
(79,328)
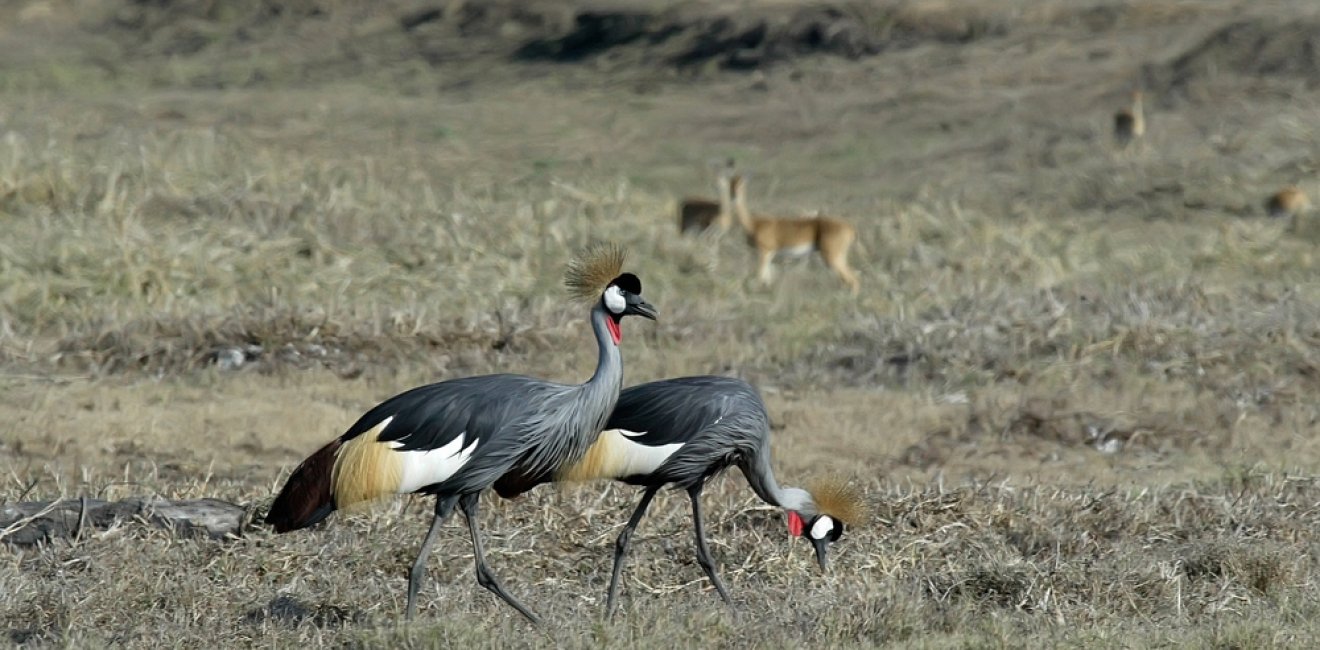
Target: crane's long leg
(443,506)
(621,546)
(485,578)
(703,553)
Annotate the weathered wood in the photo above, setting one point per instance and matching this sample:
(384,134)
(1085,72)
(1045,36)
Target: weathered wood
(37,522)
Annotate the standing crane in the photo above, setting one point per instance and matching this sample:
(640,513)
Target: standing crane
(684,431)
(456,438)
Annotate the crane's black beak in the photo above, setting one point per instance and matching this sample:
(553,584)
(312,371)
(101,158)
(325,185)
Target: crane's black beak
(638,307)
(822,548)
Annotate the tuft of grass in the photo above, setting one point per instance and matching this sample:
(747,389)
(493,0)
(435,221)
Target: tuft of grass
(1077,386)
(938,571)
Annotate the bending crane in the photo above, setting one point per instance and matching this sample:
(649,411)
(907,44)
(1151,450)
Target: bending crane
(682,432)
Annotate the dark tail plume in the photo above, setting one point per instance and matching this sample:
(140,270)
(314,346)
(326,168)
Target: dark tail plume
(306,498)
(517,482)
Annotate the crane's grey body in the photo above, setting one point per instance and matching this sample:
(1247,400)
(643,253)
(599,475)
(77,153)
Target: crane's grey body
(461,437)
(704,424)
(547,425)
(564,420)
(720,421)
(455,439)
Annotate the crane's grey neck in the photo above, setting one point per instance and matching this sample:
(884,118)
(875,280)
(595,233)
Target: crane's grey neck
(609,367)
(798,500)
(563,433)
(762,479)
(596,398)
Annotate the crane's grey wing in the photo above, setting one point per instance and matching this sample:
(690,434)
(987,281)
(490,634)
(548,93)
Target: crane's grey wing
(430,417)
(720,422)
(677,410)
(511,431)
(555,435)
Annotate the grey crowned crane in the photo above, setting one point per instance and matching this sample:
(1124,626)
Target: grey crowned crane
(682,432)
(456,438)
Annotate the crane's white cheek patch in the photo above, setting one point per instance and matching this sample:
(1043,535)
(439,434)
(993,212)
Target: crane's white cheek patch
(423,467)
(821,528)
(614,300)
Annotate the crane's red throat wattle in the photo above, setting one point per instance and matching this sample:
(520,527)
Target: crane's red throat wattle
(616,332)
(795,524)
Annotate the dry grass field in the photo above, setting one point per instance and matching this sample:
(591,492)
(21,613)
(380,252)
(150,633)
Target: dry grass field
(1074,386)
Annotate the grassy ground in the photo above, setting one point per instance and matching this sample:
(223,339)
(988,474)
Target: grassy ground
(1074,386)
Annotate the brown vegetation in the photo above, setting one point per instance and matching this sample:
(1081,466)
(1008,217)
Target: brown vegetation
(1079,395)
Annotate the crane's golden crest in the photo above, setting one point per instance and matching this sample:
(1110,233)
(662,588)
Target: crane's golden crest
(593,269)
(839,500)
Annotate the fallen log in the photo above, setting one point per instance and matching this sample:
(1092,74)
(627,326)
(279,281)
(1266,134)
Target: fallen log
(37,522)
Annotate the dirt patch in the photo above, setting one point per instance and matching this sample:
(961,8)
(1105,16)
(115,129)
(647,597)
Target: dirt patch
(681,36)
(748,40)
(291,611)
(1054,421)
(262,340)
(185,27)
(1255,48)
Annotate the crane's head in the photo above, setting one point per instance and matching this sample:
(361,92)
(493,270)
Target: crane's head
(596,275)
(833,503)
(820,530)
(623,297)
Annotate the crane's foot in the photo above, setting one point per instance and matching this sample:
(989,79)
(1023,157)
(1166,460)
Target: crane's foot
(485,579)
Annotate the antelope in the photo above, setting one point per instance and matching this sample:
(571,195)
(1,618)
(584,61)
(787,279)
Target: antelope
(1130,122)
(794,236)
(699,214)
(1288,202)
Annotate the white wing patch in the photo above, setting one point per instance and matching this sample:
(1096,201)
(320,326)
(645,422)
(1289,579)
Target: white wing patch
(629,458)
(423,467)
